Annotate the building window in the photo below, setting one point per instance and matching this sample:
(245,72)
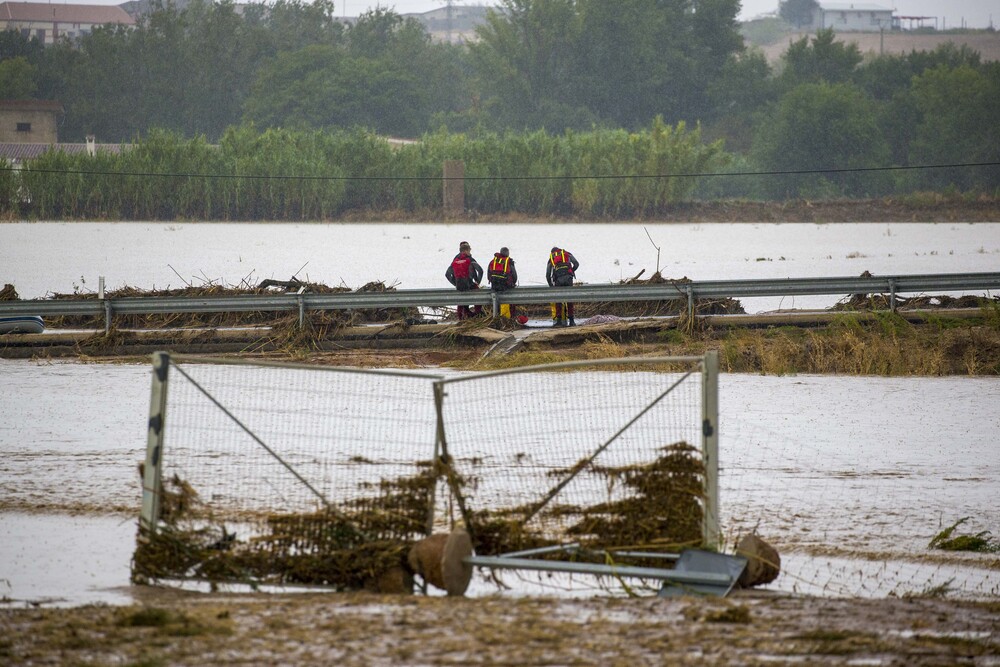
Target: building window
(26,33)
(24,127)
(40,34)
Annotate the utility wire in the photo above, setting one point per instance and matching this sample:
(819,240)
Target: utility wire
(777,172)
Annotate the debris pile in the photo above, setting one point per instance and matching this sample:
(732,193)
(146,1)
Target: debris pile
(368,542)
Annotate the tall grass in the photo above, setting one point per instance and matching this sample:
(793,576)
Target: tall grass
(890,346)
(282,174)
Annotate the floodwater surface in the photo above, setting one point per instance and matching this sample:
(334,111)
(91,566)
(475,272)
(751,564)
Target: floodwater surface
(57,257)
(864,469)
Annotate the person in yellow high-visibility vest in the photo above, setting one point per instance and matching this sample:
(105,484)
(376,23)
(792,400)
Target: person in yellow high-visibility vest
(502,275)
(559,272)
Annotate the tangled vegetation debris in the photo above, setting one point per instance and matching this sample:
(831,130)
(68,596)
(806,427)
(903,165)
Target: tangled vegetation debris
(657,505)
(350,549)
(320,320)
(947,540)
(365,541)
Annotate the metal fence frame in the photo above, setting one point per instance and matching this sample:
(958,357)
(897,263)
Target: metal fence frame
(707,365)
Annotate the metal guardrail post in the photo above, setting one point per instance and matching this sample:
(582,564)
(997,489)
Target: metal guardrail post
(152,479)
(107,316)
(892,295)
(495,299)
(302,312)
(690,294)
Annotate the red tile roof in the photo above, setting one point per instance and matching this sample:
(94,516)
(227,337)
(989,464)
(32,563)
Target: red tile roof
(59,13)
(22,152)
(31,105)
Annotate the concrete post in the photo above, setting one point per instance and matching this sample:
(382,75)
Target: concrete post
(454,188)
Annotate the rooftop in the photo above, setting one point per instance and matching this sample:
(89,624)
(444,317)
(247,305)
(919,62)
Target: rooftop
(60,13)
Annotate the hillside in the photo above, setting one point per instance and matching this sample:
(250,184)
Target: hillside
(987,44)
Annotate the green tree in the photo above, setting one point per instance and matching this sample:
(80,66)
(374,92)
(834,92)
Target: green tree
(959,123)
(618,55)
(525,59)
(17,78)
(288,25)
(887,75)
(105,92)
(822,127)
(14,44)
(320,86)
(386,75)
(743,86)
(565,63)
(822,58)
(225,53)
(798,13)
(715,43)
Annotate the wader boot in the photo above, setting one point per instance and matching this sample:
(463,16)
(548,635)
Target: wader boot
(572,322)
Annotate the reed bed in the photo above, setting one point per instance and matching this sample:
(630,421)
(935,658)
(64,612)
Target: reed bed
(281,174)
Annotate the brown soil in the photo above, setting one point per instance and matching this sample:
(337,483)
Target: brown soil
(174,628)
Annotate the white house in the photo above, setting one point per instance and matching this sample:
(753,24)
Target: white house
(853,17)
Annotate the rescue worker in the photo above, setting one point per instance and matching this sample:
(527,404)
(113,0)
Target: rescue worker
(559,272)
(502,275)
(464,273)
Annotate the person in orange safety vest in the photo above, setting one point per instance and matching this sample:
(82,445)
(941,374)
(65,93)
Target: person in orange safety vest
(559,272)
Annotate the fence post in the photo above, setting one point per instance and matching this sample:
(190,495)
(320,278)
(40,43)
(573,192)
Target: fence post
(440,447)
(454,188)
(710,447)
(152,480)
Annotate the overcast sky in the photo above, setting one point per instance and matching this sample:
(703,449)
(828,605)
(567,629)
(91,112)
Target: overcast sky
(950,13)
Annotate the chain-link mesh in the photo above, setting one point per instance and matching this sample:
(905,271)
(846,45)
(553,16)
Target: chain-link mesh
(607,456)
(847,521)
(288,474)
(283,474)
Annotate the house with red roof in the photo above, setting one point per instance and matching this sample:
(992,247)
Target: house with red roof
(51,22)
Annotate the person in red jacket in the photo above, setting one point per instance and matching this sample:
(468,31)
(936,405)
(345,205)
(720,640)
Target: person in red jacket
(464,273)
(559,272)
(502,275)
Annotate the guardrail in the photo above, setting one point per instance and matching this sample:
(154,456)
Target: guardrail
(689,291)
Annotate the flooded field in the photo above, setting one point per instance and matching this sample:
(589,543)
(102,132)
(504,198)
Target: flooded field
(850,477)
(172,255)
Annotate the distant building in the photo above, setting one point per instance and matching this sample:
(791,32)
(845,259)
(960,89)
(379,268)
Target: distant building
(29,128)
(455,23)
(51,22)
(853,17)
(30,121)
